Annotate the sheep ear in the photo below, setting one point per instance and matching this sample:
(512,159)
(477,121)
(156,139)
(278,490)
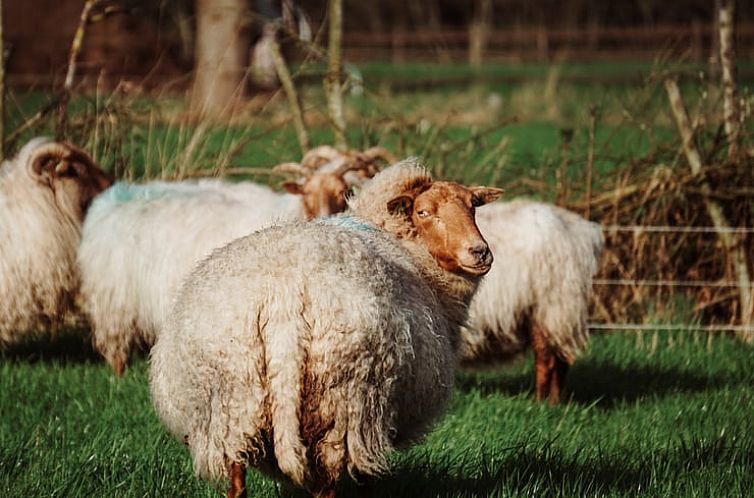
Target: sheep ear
(49,165)
(401,204)
(293,188)
(485,195)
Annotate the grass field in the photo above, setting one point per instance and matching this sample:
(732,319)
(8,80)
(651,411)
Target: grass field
(658,414)
(667,415)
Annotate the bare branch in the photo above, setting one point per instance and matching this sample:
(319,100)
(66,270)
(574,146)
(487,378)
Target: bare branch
(731,242)
(294,101)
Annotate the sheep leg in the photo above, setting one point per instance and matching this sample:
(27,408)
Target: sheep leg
(544,363)
(557,381)
(119,366)
(237,481)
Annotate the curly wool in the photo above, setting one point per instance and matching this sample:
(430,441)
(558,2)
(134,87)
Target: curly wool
(140,241)
(38,240)
(545,258)
(310,349)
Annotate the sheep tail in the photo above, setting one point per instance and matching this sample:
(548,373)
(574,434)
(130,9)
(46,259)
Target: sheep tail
(285,360)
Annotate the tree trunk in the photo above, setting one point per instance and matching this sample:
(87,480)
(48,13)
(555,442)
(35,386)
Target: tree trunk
(221,55)
(333,88)
(262,65)
(479,32)
(728,66)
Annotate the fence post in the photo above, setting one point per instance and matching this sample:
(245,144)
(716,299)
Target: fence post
(542,44)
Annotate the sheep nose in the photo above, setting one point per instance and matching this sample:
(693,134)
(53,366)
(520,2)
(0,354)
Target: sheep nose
(482,253)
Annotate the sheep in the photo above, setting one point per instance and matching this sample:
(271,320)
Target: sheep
(542,301)
(310,350)
(328,188)
(45,192)
(539,299)
(139,241)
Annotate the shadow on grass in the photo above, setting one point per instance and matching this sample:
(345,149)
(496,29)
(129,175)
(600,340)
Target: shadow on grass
(545,471)
(604,385)
(607,385)
(66,347)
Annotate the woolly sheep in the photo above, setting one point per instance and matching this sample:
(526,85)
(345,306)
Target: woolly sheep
(309,350)
(539,298)
(45,192)
(140,241)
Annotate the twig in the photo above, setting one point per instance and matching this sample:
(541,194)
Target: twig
(290,91)
(684,126)
(590,161)
(73,54)
(233,171)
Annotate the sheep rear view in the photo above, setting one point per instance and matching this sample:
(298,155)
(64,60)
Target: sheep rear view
(537,296)
(140,241)
(312,350)
(45,192)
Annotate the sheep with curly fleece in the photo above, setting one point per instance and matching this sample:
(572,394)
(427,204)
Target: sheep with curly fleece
(539,298)
(140,241)
(45,192)
(311,350)
(540,301)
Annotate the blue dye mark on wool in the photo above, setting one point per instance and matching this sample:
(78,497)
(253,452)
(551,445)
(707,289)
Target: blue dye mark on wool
(123,192)
(347,221)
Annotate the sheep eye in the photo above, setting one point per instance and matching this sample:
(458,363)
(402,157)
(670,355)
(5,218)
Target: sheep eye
(422,214)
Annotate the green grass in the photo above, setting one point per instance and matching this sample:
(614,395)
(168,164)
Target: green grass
(670,415)
(667,415)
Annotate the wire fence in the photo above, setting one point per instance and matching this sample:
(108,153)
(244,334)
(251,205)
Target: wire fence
(637,283)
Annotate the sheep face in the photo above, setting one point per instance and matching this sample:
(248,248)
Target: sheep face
(443,216)
(322,194)
(71,175)
(324,191)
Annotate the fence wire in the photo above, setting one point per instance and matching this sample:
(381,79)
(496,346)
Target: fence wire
(640,327)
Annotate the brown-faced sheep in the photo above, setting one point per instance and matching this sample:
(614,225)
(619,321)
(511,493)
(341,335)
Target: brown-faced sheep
(312,350)
(537,298)
(45,192)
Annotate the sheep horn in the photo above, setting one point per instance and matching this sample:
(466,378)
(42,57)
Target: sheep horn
(293,168)
(50,149)
(346,166)
(315,157)
(380,153)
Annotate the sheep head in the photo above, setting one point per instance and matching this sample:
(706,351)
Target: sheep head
(324,190)
(327,175)
(70,173)
(442,214)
